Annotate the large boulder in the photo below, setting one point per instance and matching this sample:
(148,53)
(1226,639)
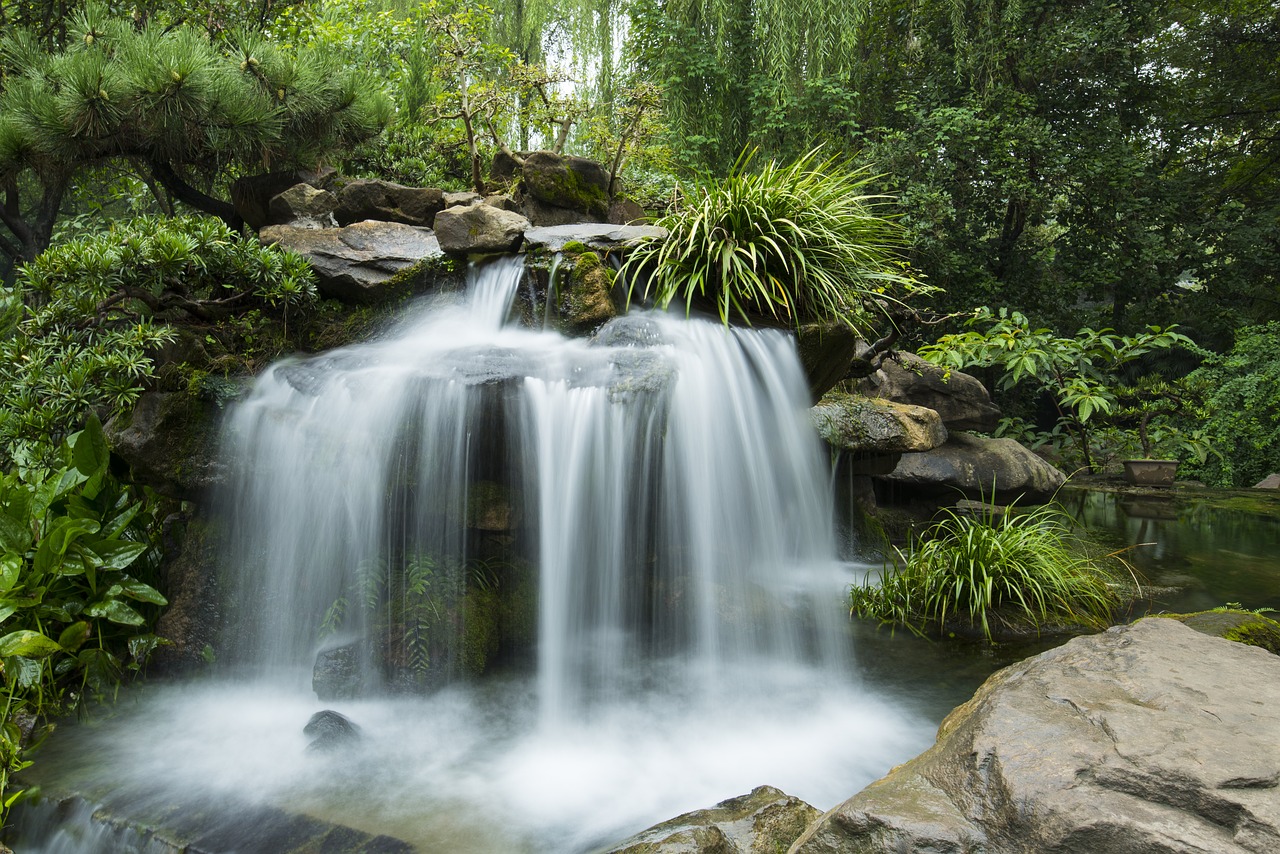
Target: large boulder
(762,822)
(865,425)
(170,443)
(978,468)
(304,206)
(961,400)
(367,262)
(388,202)
(251,195)
(826,353)
(1148,738)
(572,183)
(479,228)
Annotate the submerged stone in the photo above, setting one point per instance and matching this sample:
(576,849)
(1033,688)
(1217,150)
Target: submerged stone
(330,730)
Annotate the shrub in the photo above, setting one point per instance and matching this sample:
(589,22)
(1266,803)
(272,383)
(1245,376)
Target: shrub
(1012,571)
(797,243)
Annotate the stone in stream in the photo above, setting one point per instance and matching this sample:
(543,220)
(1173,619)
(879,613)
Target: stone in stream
(330,730)
(766,820)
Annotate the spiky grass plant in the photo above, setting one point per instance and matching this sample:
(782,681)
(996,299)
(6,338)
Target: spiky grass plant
(1013,570)
(795,243)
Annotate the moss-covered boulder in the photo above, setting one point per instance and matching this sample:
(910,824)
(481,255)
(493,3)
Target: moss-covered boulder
(1244,627)
(864,425)
(572,183)
(583,293)
(170,442)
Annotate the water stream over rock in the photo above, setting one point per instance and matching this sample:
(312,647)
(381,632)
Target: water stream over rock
(630,537)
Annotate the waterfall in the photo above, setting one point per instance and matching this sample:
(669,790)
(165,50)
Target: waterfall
(629,536)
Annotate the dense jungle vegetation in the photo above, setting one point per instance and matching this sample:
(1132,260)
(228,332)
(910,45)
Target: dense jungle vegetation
(1086,197)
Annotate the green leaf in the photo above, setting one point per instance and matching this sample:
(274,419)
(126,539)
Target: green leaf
(115,611)
(74,636)
(28,644)
(117,554)
(135,589)
(10,571)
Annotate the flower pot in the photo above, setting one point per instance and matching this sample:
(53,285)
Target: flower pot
(1150,472)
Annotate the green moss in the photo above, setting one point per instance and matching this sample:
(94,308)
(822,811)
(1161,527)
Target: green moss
(574,247)
(1241,626)
(480,609)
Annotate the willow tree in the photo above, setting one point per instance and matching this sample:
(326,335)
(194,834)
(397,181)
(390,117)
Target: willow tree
(182,108)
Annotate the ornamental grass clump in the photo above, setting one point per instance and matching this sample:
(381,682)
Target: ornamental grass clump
(793,243)
(1014,571)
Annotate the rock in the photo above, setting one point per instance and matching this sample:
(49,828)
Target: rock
(1244,627)
(479,228)
(850,422)
(626,212)
(582,295)
(304,206)
(340,672)
(765,821)
(189,578)
(602,236)
(961,400)
(503,168)
(1147,738)
(330,731)
(985,469)
(503,201)
(826,352)
(490,508)
(462,199)
(1271,481)
(574,183)
(362,263)
(388,202)
(251,195)
(170,443)
(542,214)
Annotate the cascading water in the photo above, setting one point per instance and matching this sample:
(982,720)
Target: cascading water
(657,490)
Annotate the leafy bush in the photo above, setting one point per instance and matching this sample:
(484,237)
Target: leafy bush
(1080,374)
(1244,407)
(83,320)
(1012,571)
(797,243)
(76,594)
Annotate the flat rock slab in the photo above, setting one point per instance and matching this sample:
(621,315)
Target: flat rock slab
(357,263)
(1147,738)
(595,235)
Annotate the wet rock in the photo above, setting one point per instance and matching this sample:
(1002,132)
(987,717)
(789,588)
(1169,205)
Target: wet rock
(169,442)
(600,236)
(388,202)
(765,821)
(582,294)
(632,330)
(826,352)
(490,508)
(330,730)
(479,228)
(367,262)
(339,672)
(983,469)
(304,206)
(574,183)
(865,425)
(961,400)
(1148,738)
(191,623)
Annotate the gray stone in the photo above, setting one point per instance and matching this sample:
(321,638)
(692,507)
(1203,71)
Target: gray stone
(826,352)
(1148,738)
(388,202)
(574,183)
(251,195)
(595,235)
(358,263)
(762,822)
(1271,481)
(961,400)
(859,424)
(340,672)
(330,730)
(503,201)
(626,212)
(479,228)
(979,468)
(462,199)
(542,214)
(170,442)
(304,206)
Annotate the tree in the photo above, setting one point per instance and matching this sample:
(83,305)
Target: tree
(179,105)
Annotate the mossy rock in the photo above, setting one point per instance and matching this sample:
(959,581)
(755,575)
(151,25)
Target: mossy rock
(583,298)
(1244,627)
(573,183)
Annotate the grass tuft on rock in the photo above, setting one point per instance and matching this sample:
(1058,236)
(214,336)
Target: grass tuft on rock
(994,575)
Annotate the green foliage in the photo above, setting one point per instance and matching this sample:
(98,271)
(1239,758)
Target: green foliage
(1244,409)
(181,105)
(1009,571)
(84,319)
(1080,374)
(76,589)
(797,243)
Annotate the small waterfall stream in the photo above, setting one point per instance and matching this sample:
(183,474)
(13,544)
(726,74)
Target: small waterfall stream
(657,492)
